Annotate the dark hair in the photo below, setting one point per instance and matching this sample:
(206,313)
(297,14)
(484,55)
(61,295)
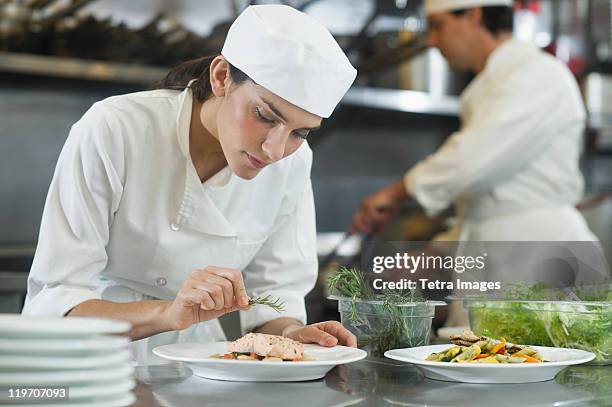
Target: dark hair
(199,68)
(496,19)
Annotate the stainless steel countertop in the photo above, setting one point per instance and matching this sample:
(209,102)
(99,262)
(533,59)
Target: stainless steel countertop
(371,383)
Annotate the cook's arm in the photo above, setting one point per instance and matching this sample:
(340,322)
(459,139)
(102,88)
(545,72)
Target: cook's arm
(83,197)
(398,190)
(205,294)
(146,317)
(377,209)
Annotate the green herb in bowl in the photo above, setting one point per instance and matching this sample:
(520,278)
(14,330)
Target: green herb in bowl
(384,321)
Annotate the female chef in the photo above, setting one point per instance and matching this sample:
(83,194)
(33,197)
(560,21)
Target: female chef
(169,208)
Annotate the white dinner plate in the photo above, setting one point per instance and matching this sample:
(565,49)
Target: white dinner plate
(56,347)
(95,390)
(15,363)
(108,389)
(122,400)
(66,377)
(197,357)
(556,360)
(18,326)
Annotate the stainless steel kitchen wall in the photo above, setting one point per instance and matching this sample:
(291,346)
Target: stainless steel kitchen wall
(35,116)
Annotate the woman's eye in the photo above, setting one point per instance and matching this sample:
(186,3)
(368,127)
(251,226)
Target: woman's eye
(262,117)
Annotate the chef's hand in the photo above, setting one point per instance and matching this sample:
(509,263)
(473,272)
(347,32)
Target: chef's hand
(207,294)
(328,333)
(376,209)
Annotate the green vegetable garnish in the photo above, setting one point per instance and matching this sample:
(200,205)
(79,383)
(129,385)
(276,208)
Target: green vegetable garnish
(275,303)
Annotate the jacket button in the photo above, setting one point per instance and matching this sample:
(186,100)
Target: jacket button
(175,226)
(160,282)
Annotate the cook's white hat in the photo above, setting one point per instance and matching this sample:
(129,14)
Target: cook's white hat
(435,6)
(292,55)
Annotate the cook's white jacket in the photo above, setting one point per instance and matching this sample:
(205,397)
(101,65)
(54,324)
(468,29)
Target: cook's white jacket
(512,169)
(127,218)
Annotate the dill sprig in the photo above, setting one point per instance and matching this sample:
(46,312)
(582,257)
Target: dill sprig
(275,303)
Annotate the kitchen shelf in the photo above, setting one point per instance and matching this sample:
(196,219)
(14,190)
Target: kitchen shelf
(46,65)
(402,100)
(13,281)
(80,69)
(17,251)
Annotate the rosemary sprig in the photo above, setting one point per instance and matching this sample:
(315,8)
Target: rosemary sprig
(351,283)
(275,303)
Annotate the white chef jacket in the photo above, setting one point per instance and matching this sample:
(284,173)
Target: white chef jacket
(127,218)
(512,170)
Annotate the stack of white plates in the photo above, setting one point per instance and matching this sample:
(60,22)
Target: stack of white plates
(83,355)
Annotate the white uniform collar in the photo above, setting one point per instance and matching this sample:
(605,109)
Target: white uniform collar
(185,103)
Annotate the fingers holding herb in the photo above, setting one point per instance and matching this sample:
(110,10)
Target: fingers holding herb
(206,294)
(237,288)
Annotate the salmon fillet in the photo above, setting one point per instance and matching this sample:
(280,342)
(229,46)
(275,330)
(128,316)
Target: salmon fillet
(267,345)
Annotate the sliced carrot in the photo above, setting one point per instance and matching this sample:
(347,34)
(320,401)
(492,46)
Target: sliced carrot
(228,356)
(529,359)
(482,356)
(499,346)
(296,360)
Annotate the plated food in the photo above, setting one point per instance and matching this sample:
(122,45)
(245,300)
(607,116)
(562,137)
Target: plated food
(479,359)
(197,357)
(470,348)
(264,347)
(556,360)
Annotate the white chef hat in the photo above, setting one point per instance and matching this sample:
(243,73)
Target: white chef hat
(292,55)
(435,6)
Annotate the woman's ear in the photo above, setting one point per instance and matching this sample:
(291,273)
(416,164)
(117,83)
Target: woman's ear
(219,76)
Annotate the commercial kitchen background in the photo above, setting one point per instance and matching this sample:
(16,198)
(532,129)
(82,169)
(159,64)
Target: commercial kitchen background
(57,57)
